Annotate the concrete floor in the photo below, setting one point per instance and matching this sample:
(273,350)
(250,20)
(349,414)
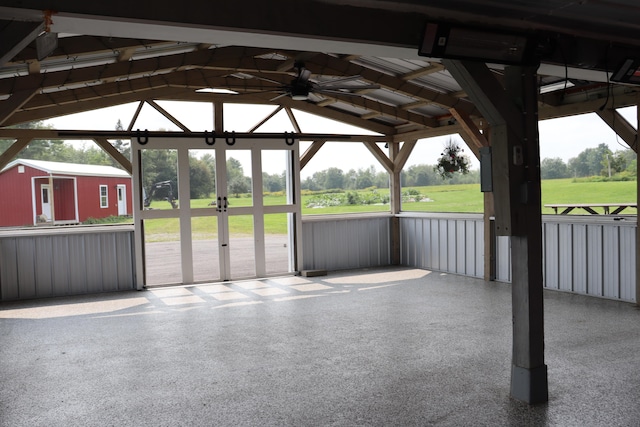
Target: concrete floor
(389,347)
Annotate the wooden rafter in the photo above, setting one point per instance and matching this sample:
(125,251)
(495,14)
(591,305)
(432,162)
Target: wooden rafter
(114,153)
(13,150)
(168,115)
(310,152)
(620,126)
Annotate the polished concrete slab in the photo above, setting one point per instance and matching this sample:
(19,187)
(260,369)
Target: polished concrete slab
(388,347)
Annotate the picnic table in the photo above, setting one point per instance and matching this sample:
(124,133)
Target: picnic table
(589,207)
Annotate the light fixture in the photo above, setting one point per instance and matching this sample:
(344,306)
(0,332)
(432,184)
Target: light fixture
(299,92)
(442,40)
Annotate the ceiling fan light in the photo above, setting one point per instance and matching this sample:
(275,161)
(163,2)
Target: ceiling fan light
(299,93)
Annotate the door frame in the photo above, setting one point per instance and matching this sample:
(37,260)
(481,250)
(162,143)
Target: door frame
(184,213)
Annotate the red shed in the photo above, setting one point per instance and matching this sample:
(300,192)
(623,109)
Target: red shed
(41,192)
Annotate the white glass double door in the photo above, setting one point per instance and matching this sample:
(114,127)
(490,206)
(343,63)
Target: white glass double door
(241,218)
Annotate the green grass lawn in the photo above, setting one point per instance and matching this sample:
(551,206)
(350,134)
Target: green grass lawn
(464,198)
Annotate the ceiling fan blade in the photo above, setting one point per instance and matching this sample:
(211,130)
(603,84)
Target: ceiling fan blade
(279,96)
(334,92)
(264,79)
(338,81)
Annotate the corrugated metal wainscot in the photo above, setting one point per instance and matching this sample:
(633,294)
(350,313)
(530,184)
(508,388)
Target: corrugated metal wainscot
(340,242)
(57,261)
(592,255)
(452,243)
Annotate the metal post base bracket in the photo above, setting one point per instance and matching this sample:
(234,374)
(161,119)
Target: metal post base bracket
(530,385)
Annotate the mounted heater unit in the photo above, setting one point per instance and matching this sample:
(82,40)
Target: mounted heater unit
(442,40)
(627,72)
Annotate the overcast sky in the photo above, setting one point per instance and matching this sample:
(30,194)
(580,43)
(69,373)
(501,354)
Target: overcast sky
(564,138)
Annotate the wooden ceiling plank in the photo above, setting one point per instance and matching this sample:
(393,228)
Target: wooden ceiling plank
(342,67)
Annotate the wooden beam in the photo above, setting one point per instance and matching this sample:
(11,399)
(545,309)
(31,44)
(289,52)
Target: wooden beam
(471,133)
(433,68)
(218,117)
(293,120)
(310,152)
(620,126)
(487,93)
(135,115)
(15,102)
(168,115)
(16,35)
(13,150)
(266,119)
(380,156)
(618,101)
(56,110)
(428,133)
(115,154)
(403,155)
(232,57)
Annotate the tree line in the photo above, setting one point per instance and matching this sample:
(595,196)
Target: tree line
(598,161)
(161,165)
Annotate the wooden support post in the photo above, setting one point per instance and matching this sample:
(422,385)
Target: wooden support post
(395,202)
(529,372)
(489,238)
(512,115)
(637,199)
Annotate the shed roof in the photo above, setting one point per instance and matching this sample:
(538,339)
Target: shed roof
(69,168)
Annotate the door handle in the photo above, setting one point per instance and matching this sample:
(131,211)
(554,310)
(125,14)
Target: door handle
(218,207)
(225,204)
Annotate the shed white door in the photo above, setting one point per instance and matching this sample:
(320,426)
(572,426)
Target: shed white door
(45,198)
(122,199)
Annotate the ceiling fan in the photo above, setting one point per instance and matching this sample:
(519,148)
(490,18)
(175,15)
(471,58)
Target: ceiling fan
(302,86)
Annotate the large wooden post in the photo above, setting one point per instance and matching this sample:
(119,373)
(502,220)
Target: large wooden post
(395,202)
(512,115)
(635,148)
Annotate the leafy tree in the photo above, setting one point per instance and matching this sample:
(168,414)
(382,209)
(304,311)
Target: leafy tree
(589,162)
(200,179)
(275,182)
(334,178)
(553,168)
(38,149)
(237,183)
(123,147)
(158,166)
